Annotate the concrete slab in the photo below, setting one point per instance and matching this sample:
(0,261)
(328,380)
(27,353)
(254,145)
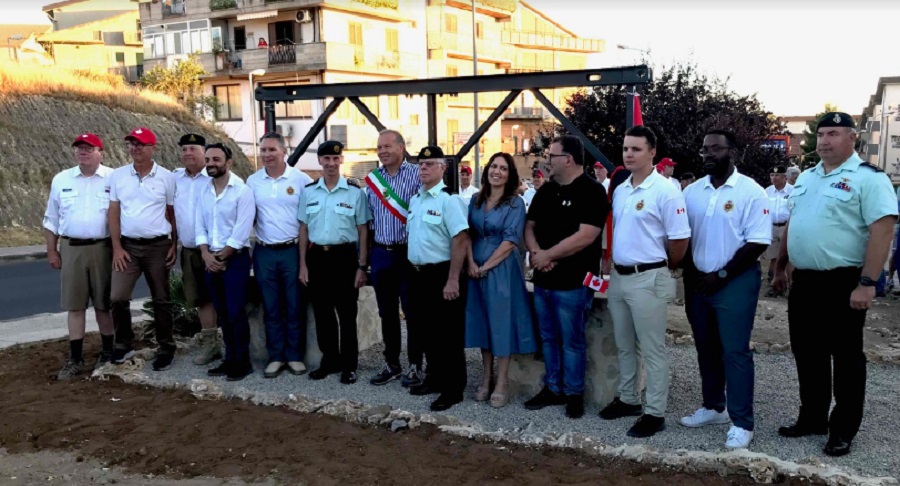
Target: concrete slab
(46,326)
(22,253)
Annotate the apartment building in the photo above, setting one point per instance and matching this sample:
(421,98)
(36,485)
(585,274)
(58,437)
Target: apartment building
(339,41)
(96,35)
(880,127)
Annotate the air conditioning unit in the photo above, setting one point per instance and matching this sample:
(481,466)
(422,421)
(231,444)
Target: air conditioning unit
(284,130)
(304,16)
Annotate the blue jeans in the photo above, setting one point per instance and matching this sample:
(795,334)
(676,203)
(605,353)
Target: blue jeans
(561,317)
(228,292)
(277,273)
(722,323)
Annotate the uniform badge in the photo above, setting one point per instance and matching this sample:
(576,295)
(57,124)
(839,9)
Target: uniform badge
(842,186)
(337,149)
(426,153)
(640,205)
(432,212)
(345,205)
(837,118)
(845,179)
(138,131)
(193,139)
(290,190)
(728,206)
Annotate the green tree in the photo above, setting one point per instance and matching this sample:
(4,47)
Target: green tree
(182,82)
(808,144)
(681,105)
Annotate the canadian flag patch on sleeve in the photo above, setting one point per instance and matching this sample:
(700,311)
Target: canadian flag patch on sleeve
(592,281)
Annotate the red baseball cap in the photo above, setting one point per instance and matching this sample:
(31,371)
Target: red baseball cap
(537,173)
(143,135)
(90,139)
(598,164)
(466,169)
(667,162)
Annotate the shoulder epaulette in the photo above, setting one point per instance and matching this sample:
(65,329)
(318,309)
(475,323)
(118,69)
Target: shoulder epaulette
(871,166)
(352,182)
(312,183)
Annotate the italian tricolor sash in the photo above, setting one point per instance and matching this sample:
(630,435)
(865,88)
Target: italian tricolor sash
(387,196)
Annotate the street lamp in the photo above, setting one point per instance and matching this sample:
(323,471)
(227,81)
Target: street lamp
(515,129)
(9,48)
(885,137)
(475,94)
(257,72)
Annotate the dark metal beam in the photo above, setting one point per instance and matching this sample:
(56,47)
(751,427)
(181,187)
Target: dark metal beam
(366,112)
(495,115)
(314,131)
(465,84)
(270,116)
(432,119)
(572,129)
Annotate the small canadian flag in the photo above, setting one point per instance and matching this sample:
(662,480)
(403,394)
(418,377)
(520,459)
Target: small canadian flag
(765,211)
(592,281)
(679,211)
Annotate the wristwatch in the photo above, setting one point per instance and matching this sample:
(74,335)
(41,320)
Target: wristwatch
(723,273)
(866,282)
(364,268)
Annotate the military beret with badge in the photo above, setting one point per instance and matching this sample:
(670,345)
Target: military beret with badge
(192,139)
(835,119)
(331,147)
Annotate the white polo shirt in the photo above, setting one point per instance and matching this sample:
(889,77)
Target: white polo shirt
(778,202)
(187,189)
(644,217)
(225,219)
(725,219)
(467,193)
(78,205)
(277,203)
(143,201)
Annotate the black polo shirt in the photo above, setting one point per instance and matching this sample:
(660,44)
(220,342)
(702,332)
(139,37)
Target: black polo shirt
(558,212)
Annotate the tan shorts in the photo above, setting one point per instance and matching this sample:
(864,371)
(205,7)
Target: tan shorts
(194,277)
(85,276)
(772,251)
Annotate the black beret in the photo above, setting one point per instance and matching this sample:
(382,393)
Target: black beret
(431,152)
(687,176)
(331,147)
(778,169)
(192,139)
(836,119)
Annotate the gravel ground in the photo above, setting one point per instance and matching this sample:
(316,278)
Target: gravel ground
(876,451)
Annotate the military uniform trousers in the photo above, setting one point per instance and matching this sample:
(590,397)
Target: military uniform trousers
(333,295)
(228,291)
(443,326)
(825,331)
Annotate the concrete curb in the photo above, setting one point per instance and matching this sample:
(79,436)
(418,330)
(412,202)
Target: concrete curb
(26,254)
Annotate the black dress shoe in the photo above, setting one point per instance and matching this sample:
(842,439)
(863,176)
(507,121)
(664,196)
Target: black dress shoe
(239,371)
(221,370)
(423,389)
(618,409)
(837,446)
(545,398)
(348,377)
(647,426)
(800,429)
(321,373)
(574,406)
(445,401)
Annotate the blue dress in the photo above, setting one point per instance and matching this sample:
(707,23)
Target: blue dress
(498,313)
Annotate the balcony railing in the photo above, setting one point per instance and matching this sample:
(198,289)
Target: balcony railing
(551,41)
(525,113)
(462,45)
(222,4)
(173,8)
(282,55)
(353,57)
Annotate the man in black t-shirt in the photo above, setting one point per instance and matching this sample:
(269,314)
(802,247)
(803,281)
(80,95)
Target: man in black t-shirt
(562,234)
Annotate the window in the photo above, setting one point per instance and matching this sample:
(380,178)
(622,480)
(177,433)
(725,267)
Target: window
(356,34)
(452,130)
(120,58)
(240,38)
(450,23)
(479,30)
(98,35)
(393,107)
(178,38)
(452,71)
(391,40)
(229,98)
(294,109)
(414,119)
(282,33)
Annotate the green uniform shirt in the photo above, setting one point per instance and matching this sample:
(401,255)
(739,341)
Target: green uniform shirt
(434,218)
(831,214)
(332,216)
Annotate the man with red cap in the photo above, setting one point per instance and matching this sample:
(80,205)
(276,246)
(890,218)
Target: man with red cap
(76,214)
(601,174)
(466,188)
(537,180)
(144,241)
(666,167)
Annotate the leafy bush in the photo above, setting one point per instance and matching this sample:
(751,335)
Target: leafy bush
(186,321)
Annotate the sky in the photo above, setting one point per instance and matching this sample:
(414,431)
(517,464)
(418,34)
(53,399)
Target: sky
(795,55)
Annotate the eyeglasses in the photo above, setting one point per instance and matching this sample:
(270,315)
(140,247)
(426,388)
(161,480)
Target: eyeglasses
(83,149)
(430,163)
(550,156)
(713,149)
(133,146)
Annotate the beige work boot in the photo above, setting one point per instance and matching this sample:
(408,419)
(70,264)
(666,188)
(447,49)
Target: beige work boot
(209,347)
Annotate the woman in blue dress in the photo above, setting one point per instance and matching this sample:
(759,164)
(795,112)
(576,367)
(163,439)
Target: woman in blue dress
(498,315)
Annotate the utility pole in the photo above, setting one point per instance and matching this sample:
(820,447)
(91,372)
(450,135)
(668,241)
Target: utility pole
(475,94)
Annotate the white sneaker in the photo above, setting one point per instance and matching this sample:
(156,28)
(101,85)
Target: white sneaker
(738,438)
(704,416)
(273,369)
(296,367)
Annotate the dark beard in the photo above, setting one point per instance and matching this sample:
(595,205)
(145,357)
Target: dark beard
(719,168)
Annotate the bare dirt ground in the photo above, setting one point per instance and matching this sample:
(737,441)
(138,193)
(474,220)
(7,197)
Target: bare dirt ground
(67,433)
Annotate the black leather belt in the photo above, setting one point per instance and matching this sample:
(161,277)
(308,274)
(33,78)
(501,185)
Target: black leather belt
(429,266)
(398,246)
(342,246)
(85,242)
(640,267)
(280,246)
(144,241)
(779,224)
